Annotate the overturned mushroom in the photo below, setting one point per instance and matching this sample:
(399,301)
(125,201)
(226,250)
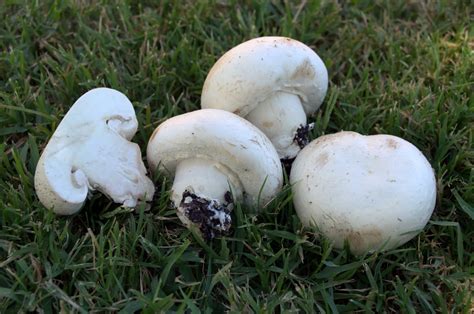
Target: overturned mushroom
(214,156)
(91,150)
(273,82)
(375,192)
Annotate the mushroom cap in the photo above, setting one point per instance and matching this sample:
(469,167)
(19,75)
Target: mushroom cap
(91,149)
(222,137)
(257,69)
(376,192)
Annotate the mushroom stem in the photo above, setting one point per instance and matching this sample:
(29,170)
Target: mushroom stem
(202,194)
(279,117)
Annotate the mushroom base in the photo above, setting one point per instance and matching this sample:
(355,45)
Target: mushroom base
(301,139)
(302,135)
(212,218)
(286,163)
(201,195)
(279,117)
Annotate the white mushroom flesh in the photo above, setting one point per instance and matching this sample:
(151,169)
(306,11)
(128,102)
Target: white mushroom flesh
(273,72)
(214,157)
(280,117)
(207,180)
(375,192)
(91,150)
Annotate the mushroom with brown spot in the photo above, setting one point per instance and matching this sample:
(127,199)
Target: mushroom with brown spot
(375,192)
(216,158)
(273,82)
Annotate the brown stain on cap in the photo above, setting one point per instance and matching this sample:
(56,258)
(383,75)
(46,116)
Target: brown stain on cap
(361,241)
(392,143)
(237,111)
(321,160)
(267,124)
(304,71)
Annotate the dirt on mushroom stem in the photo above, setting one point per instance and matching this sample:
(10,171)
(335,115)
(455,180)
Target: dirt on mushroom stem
(212,218)
(302,135)
(302,139)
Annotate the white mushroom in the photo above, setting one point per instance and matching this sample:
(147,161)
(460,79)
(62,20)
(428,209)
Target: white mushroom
(215,157)
(91,150)
(274,82)
(376,192)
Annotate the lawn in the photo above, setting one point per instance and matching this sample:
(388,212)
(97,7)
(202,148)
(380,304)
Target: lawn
(396,67)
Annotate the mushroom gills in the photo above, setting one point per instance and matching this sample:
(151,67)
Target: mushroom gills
(202,195)
(282,118)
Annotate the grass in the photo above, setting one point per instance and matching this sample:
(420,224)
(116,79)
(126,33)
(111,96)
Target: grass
(398,67)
